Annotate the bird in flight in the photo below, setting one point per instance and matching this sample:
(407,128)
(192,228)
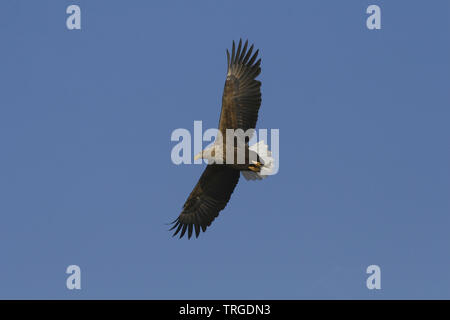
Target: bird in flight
(240,105)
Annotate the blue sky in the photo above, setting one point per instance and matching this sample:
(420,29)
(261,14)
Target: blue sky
(86,176)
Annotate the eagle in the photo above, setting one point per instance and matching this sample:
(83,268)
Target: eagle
(241,101)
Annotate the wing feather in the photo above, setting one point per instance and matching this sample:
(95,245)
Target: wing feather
(209,197)
(241,98)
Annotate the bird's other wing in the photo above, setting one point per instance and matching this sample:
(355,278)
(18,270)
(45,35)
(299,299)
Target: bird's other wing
(209,197)
(242,93)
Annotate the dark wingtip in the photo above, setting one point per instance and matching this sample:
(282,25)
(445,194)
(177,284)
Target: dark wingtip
(233,52)
(168,224)
(197,230)
(183,227)
(183,231)
(238,51)
(178,229)
(253,58)
(190,231)
(175,224)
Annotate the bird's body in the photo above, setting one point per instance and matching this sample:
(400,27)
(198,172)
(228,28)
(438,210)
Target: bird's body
(230,155)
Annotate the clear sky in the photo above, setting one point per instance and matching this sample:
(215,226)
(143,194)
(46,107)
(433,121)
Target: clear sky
(86,176)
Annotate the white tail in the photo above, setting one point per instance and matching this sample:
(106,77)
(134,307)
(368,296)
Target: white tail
(265,154)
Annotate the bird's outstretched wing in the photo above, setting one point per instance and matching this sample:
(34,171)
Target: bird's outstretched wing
(242,93)
(209,197)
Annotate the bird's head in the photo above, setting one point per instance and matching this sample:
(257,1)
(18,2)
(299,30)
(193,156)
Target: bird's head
(208,153)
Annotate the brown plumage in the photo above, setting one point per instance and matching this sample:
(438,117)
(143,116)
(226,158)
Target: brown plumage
(240,104)
(242,93)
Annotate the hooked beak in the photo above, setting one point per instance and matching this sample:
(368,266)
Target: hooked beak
(198,156)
